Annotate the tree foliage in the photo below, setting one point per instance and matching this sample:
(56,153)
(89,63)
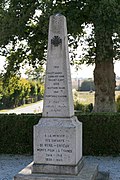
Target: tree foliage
(24,27)
(19,91)
(35,73)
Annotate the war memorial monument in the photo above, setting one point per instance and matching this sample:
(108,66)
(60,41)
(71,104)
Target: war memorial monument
(58,135)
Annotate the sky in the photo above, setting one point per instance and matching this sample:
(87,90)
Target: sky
(87,71)
(2,62)
(83,72)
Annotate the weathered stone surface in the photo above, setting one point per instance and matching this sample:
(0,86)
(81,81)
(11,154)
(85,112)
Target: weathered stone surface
(58,169)
(58,141)
(58,135)
(58,99)
(88,172)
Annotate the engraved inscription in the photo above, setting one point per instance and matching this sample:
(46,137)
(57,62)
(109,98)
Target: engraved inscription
(56,147)
(56,93)
(56,41)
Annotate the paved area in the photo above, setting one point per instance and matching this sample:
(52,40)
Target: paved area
(30,108)
(107,164)
(12,164)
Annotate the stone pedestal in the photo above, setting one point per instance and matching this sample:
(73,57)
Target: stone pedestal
(58,146)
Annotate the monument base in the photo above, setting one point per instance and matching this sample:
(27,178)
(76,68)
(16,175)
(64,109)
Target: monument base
(58,169)
(88,172)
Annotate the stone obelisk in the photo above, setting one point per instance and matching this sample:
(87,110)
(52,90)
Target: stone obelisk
(58,135)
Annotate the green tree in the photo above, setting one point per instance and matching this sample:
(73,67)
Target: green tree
(26,26)
(25,89)
(36,79)
(35,73)
(36,90)
(18,91)
(15,91)
(1,92)
(11,93)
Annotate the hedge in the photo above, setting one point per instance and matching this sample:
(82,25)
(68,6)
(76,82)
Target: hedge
(101,133)
(16,133)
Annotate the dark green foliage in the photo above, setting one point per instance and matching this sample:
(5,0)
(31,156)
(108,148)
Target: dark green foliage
(79,107)
(16,133)
(84,108)
(101,133)
(19,91)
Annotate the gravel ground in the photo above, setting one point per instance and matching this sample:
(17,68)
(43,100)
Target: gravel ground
(12,164)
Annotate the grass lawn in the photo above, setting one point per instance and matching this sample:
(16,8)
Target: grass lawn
(86,97)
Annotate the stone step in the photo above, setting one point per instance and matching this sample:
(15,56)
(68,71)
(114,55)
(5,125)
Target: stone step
(88,172)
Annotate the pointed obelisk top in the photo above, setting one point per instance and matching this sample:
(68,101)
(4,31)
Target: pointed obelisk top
(58,99)
(58,14)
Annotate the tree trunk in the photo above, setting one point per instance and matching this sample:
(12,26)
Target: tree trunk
(104,79)
(104,76)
